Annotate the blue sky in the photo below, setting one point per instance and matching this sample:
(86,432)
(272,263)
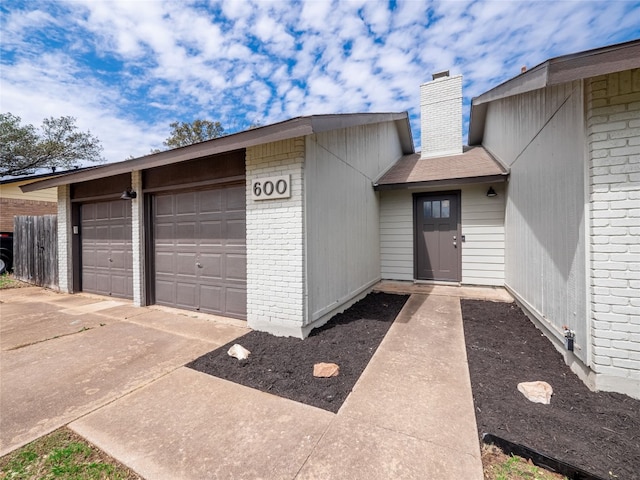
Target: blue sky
(126,69)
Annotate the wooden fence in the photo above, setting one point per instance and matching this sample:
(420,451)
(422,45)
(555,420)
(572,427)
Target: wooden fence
(35,250)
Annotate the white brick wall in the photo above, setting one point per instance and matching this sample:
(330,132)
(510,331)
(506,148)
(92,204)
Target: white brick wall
(441,117)
(65,278)
(137,239)
(275,242)
(613,123)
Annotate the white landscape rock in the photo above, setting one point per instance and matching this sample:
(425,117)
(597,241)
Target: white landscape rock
(536,392)
(325,370)
(239,352)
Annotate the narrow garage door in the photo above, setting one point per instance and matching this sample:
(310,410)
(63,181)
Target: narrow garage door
(200,250)
(107,259)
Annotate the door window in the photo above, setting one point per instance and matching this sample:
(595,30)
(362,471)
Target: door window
(436,208)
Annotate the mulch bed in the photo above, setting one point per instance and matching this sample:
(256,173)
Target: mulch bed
(596,431)
(284,366)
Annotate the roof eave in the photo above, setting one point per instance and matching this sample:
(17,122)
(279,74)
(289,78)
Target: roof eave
(296,127)
(446,182)
(566,68)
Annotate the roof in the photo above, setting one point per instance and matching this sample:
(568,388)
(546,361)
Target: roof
(38,176)
(472,166)
(567,68)
(295,127)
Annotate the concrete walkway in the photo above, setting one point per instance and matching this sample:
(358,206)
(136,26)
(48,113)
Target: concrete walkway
(410,416)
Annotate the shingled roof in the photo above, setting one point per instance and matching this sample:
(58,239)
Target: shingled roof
(474,165)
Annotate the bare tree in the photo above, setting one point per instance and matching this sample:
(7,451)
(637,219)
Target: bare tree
(57,143)
(183,134)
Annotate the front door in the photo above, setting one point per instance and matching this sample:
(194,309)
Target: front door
(437,242)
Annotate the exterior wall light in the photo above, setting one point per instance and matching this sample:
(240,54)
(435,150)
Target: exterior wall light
(490,193)
(128,194)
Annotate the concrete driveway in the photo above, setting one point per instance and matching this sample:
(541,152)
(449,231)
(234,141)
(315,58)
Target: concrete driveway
(63,356)
(114,374)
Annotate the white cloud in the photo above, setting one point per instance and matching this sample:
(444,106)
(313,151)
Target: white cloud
(127,69)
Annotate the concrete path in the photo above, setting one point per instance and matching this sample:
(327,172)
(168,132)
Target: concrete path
(410,416)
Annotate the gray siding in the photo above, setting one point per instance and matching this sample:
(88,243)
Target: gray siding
(396,235)
(341,212)
(482,225)
(540,135)
(483,228)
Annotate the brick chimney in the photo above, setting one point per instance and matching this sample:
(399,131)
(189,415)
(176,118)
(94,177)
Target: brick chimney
(441,115)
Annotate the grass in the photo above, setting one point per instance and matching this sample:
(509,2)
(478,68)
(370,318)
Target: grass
(7,281)
(498,466)
(62,455)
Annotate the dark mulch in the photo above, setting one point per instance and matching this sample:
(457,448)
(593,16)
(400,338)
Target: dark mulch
(596,431)
(284,366)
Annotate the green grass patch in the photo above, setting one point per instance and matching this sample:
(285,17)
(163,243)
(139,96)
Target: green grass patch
(498,466)
(7,281)
(62,455)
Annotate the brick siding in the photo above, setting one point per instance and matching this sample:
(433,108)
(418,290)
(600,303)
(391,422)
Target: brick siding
(137,239)
(441,117)
(65,276)
(613,129)
(10,207)
(275,241)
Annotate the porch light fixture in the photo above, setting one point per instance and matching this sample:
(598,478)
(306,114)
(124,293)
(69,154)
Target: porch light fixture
(128,194)
(490,193)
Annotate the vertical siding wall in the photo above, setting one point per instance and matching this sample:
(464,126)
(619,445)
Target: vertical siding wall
(613,122)
(343,244)
(540,135)
(482,226)
(275,242)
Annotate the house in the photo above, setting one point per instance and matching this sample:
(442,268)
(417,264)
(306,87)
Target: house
(277,225)
(548,203)
(13,201)
(569,132)
(287,224)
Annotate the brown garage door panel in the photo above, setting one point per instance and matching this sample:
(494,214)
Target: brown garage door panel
(107,256)
(200,250)
(236,301)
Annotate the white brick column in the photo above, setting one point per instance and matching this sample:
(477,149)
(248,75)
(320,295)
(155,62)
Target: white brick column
(441,117)
(275,242)
(613,122)
(65,236)
(138,239)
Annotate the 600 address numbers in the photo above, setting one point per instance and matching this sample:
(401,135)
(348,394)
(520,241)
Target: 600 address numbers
(269,188)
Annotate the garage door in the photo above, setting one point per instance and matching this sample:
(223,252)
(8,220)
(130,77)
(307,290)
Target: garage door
(107,259)
(200,250)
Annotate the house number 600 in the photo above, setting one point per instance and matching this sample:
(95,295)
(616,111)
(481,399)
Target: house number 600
(271,188)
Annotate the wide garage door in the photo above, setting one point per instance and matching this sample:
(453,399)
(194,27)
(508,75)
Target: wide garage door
(200,250)
(107,259)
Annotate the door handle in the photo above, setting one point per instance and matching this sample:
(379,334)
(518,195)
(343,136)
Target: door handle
(198,264)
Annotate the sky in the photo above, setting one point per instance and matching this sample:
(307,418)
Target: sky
(127,69)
